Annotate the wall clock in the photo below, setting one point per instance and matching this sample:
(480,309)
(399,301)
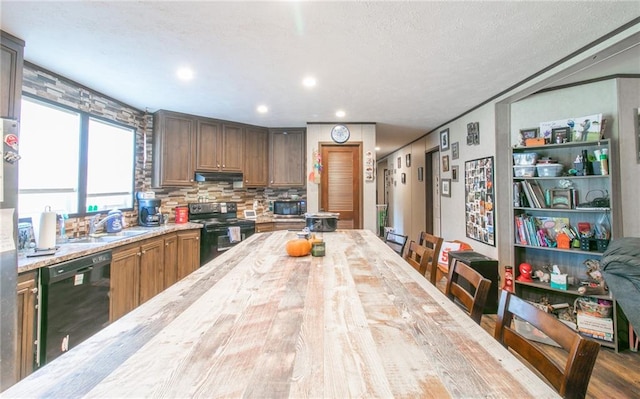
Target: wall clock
(340,134)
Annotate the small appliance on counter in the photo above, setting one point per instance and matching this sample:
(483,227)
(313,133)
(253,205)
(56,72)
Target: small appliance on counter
(289,208)
(322,221)
(149,210)
(114,221)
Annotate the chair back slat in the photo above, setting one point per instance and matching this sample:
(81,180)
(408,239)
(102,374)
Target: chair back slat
(433,245)
(571,379)
(417,256)
(472,298)
(396,241)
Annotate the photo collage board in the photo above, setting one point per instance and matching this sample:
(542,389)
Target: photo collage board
(480,200)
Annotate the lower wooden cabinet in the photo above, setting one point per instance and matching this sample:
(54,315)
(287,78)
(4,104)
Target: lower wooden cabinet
(141,270)
(27,291)
(290,225)
(151,268)
(264,227)
(125,281)
(188,252)
(170,259)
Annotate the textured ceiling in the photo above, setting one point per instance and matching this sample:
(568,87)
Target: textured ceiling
(408,66)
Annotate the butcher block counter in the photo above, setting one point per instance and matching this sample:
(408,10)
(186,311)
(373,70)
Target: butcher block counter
(358,322)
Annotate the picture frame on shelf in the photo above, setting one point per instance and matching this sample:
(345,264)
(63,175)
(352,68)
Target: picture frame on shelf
(560,135)
(444,140)
(530,133)
(445,163)
(446,188)
(454,173)
(407,160)
(561,198)
(455,150)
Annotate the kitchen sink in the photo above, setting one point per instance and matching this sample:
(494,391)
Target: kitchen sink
(104,237)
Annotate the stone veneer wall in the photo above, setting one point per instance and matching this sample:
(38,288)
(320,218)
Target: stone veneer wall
(49,86)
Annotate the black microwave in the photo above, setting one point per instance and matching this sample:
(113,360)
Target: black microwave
(289,207)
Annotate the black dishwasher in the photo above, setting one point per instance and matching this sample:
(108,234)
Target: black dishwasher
(75,303)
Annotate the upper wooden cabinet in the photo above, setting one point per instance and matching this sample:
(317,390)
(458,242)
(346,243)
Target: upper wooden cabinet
(11,60)
(287,157)
(174,146)
(219,146)
(184,144)
(256,159)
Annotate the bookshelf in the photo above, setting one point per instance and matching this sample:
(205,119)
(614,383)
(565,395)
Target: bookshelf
(580,200)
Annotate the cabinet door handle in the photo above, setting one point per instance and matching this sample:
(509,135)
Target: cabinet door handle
(224,166)
(139,254)
(34,290)
(197,238)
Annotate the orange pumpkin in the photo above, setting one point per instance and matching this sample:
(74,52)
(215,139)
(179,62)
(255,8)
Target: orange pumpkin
(298,247)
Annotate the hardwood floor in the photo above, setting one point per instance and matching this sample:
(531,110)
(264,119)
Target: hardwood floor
(615,375)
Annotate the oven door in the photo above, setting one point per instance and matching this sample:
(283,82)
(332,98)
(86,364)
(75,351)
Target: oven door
(215,240)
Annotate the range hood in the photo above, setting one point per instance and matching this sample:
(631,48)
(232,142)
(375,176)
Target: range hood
(219,176)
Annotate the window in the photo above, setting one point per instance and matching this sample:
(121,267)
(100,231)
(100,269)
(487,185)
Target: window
(73,162)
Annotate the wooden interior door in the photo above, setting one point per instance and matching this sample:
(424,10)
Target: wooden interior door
(340,184)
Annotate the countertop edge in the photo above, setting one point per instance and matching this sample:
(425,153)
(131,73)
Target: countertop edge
(71,251)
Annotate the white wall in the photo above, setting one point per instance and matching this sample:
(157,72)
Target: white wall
(628,104)
(364,133)
(409,210)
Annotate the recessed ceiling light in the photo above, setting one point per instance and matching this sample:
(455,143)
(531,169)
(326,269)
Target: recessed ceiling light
(377,148)
(309,81)
(185,73)
(263,109)
(340,114)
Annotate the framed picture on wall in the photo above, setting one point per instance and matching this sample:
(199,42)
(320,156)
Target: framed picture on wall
(480,200)
(399,162)
(407,160)
(446,187)
(444,140)
(455,150)
(445,163)
(420,173)
(454,173)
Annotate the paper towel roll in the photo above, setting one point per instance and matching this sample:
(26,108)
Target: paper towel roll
(47,231)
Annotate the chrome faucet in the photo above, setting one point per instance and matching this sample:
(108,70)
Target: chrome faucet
(94,224)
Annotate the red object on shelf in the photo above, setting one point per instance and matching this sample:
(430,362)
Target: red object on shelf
(508,279)
(525,272)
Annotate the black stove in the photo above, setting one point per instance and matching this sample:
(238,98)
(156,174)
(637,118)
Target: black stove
(221,227)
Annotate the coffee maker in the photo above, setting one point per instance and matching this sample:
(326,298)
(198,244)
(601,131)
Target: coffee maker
(149,212)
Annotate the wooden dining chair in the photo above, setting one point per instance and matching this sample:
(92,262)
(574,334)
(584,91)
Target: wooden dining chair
(571,379)
(417,256)
(432,244)
(396,241)
(471,291)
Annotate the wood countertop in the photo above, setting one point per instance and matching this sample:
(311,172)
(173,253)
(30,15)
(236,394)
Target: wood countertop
(359,322)
(71,250)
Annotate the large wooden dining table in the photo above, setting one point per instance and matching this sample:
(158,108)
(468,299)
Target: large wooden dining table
(256,323)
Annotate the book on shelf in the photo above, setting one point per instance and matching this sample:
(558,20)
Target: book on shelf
(540,231)
(528,194)
(539,195)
